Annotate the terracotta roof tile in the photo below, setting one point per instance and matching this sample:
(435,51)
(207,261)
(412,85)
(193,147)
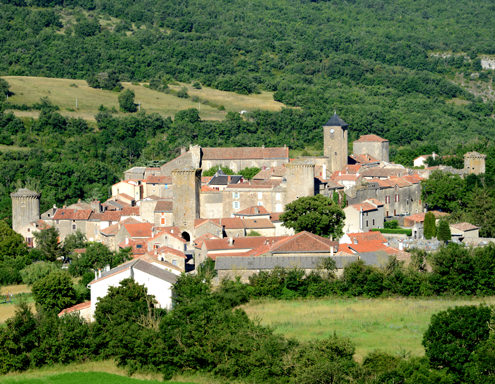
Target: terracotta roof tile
(164,206)
(364,159)
(72,214)
(168,250)
(370,138)
(464,226)
(253,211)
(268,173)
(130,211)
(141,230)
(365,207)
(367,236)
(303,242)
(75,308)
(257,223)
(158,180)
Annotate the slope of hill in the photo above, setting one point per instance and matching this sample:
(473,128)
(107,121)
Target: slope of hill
(76,99)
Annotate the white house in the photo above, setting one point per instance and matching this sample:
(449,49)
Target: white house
(152,274)
(421,160)
(364,216)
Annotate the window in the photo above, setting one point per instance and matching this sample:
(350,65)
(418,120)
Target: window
(397,198)
(278,208)
(260,195)
(74,227)
(174,262)
(387,199)
(235,195)
(139,246)
(373,221)
(278,197)
(366,222)
(236,205)
(162,221)
(260,203)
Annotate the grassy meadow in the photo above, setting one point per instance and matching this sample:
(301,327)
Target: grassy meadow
(64,92)
(394,325)
(97,372)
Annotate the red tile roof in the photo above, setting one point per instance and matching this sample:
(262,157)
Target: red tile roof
(252,211)
(364,159)
(257,223)
(164,206)
(255,184)
(370,138)
(362,237)
(158,180)
(139,230)
(168,250)
(268,173)
(303,242)
(75,308)
(130,211)
(240,242)
(245,153)
(198,242)
(365,207)
(138,246)
(464,226)
(72,214)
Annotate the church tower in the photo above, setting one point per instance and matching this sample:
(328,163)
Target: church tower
(335,143)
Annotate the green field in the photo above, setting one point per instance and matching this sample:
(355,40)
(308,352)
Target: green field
(64,93)
(96,372)
(21,292)
(394,325)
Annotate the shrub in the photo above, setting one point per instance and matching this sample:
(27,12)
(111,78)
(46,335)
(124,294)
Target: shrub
(454,334)
(54,292)
(37,271)
(126,101)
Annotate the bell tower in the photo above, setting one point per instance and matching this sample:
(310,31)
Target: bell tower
(335,143)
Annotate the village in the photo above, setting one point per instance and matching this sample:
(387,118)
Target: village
(175,219)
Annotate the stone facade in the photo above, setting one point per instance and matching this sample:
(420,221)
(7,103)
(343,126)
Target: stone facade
(300,178)
(474,162)
(25,208)
(335,143)
(372,145)
(186,189)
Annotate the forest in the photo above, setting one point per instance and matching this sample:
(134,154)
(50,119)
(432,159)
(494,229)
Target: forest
(390,67)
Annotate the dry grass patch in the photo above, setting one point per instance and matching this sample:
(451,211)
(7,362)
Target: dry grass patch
(64,93)
(394,325)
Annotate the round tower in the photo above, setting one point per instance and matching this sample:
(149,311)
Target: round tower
(25,208)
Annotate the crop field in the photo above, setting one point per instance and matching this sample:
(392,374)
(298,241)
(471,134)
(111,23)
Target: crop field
(394,325)
(65,93)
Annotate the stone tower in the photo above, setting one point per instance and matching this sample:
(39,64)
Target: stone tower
(335,143)
(186,185)
(474,162)
(300,178)
(25,208)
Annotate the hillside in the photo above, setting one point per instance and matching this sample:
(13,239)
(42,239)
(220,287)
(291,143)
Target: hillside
(64,93)
(370,61)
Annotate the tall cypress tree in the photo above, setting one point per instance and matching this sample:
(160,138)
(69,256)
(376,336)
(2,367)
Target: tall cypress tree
(430,229)
(443,233)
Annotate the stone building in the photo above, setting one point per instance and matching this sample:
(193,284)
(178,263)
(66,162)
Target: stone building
(474,162)
(363,217)
(335,143)
(400,195)
(186,187)
(25,210)
(300,181)
(372,145)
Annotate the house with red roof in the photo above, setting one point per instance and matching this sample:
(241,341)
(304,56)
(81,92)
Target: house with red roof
(362,217)
(372,145)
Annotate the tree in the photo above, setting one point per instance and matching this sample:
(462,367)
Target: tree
(54,292)
(14,255)
(47,242)
(454,334)
(126,101)
(429,228)
(443,233)
(37,271)
(74,241)
(316,214)
(444,191)
(249,172)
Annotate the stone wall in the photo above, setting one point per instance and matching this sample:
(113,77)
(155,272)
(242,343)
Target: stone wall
(187,184)
(378,150)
